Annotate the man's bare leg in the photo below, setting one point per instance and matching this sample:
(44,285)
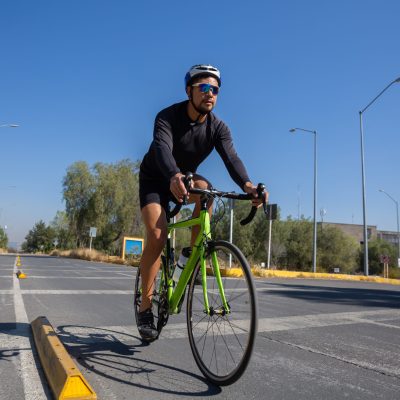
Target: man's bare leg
(154,218)
(200,183)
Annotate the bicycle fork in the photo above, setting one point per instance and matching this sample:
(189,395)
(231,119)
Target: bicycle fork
(225,309)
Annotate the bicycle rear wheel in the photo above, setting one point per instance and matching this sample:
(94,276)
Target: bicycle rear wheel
(222,343)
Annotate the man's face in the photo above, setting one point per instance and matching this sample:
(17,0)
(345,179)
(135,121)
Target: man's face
(205,102)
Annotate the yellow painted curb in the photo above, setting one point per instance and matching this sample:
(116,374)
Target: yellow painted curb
(320,275)
(63,375)
(237,272)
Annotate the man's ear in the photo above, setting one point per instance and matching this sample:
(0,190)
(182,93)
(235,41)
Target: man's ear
(189,92)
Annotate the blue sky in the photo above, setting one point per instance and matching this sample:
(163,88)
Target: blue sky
(85,79)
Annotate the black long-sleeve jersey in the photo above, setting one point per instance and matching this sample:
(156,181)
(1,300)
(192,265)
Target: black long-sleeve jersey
(180,145)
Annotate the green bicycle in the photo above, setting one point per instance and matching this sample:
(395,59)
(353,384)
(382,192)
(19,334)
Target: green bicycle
(221,313)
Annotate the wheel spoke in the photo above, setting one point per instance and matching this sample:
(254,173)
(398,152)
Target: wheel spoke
(222,344)
(226,344)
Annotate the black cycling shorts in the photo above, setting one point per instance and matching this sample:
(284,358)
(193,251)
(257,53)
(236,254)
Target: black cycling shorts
(154,191)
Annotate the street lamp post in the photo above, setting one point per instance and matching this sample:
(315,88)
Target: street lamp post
(293,130)
(363,174)
(397,216)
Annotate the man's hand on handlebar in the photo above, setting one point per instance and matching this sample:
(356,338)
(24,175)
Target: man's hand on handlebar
(257,201)
(177,187)
(179,184)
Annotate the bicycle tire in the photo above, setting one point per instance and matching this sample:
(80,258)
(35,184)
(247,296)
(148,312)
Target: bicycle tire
(225,358)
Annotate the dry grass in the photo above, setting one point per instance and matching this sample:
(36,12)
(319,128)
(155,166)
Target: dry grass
(3,251)
(94,255)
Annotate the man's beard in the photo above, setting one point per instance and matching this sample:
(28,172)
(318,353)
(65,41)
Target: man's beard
(202,108)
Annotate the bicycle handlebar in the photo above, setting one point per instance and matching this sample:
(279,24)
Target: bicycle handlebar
(227,195)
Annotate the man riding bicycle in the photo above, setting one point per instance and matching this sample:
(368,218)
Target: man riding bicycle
(184,135)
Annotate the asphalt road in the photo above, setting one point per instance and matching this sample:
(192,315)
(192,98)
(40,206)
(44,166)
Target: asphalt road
(317,339)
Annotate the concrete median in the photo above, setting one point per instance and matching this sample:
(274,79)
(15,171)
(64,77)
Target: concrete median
(63,375)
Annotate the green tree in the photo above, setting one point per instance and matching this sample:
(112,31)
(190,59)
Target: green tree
(299,245)
(114,206)
(242,235)
(40,238)
(261,238)
(78,189)
(249,238)
(3,239)
(61,227)
(106,197)
(336,249)
(279,238)
(376,249)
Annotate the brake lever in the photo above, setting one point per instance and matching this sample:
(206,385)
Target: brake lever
(260,192)
(186,181)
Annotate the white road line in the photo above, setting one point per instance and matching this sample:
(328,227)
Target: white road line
(105,278)
(111,291)
(33,388)
(179,330)
(324,320)
(55,269)
(63,292)
(125,274)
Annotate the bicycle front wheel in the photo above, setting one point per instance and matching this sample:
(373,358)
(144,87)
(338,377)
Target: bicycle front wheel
(222,342)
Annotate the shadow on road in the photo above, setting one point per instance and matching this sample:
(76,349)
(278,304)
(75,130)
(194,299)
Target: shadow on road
(19,339)
(367,297)
(103,353)
(8,354)
(12,329)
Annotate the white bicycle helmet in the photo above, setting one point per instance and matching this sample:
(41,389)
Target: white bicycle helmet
(201,70)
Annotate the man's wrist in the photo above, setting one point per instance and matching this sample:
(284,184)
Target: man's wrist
(176,175)
(248,185)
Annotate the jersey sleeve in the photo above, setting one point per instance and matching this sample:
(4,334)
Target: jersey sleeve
(234,165)
(163,144)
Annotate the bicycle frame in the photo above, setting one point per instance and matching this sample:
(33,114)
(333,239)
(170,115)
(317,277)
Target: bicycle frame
(175,294)
(213,334)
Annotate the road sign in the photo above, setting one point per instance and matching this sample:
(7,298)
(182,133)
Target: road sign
(385,259)
(92,232)
(272,211)
(132,246)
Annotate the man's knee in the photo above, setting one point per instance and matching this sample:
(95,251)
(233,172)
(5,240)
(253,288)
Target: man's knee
(200,182)
(156,237)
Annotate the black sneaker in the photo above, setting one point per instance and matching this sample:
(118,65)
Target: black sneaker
(146,327)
